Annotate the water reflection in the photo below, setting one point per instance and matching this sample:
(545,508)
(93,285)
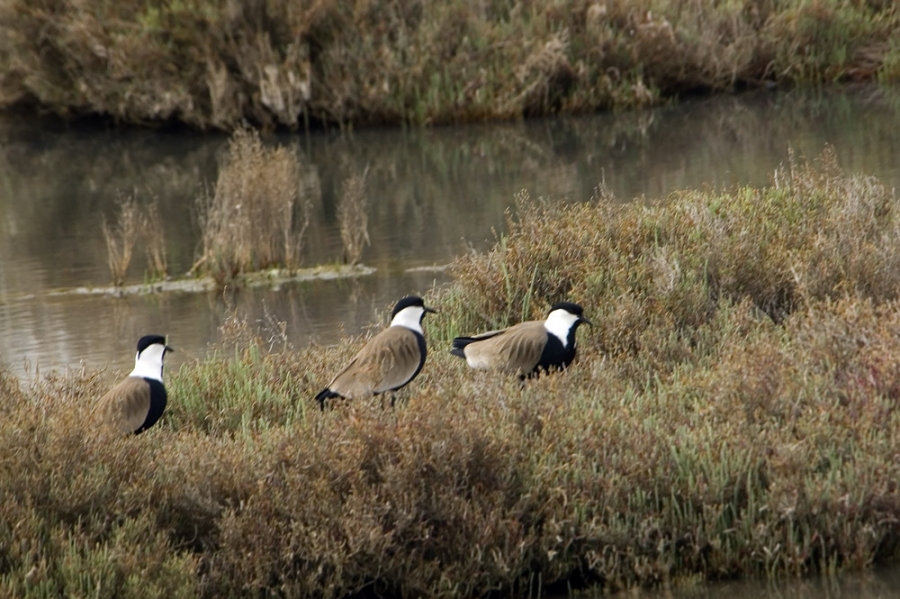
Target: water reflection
(433,192)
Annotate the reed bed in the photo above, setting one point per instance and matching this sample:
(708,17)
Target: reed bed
(121,237)
(733,414)
(217,64)
(353,217)
(257,215)
(154,240)
(135,223)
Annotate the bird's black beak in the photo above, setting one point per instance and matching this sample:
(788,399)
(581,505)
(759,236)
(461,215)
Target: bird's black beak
(583,319)
(431,310)
(170,349)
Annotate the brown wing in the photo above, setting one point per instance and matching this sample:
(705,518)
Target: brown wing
(403,356)
(516,349)
(126,405)
(488,334)
(386,362)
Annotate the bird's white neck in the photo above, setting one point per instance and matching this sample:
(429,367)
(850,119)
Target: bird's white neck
(410,317)
(148,364)
(559,323)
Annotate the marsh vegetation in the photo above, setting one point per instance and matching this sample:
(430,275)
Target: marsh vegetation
(154,240)
(218,64)
(135,224)
(252,225)
(353,218)
(120,236)
(257,215)
(733,415)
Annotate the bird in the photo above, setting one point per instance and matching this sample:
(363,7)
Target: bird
(138,401)
(526,348)
(388,361)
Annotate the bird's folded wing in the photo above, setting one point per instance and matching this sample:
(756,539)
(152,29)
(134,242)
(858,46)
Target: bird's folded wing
(486,335)
(400,358)
(518,349)
(126,405)
(356,380)
(387,361)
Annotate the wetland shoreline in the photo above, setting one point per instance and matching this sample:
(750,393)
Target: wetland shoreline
(210,64)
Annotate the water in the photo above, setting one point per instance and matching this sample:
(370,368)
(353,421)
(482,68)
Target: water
(434,193)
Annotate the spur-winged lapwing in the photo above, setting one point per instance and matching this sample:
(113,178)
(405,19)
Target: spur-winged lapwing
(528,347)
(137,402)
(389,360)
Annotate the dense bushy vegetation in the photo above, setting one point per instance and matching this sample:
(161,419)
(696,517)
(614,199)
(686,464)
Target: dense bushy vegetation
(732,414)
(283,63)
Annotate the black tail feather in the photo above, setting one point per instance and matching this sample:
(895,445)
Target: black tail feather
(324,394)
(459,345)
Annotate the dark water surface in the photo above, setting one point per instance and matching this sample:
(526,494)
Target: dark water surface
(433,193)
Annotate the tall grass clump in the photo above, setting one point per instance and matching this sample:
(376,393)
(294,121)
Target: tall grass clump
(353,217)
(120,237)
(153,238)
(257,215)
(135,223)
(732,414)
(350,62)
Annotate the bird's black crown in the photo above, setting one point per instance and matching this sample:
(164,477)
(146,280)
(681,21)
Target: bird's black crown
(148,340)
(406,302)
(570,307)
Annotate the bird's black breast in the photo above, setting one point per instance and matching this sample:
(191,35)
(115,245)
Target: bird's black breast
(423,352)
(158,398)
(555,355)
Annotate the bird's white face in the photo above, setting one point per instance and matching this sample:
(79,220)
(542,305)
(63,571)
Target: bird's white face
(559,323)
(409,317)
(149,363)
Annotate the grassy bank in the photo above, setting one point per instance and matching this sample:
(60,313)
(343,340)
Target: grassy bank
(214,64)
(733,414)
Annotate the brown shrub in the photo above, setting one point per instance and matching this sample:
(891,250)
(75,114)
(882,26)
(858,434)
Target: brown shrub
(474,485)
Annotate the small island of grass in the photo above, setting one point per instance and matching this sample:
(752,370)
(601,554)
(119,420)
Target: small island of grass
(252,228)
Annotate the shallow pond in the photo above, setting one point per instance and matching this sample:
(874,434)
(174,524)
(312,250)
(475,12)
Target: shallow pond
(433,193)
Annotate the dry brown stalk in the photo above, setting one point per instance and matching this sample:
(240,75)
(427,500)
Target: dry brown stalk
(153,237)
(121,237)
(249,222)
(353,217)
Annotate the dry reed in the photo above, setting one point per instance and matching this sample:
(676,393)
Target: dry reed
(250,221)
(120,237)
(153,237)
(353,217)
